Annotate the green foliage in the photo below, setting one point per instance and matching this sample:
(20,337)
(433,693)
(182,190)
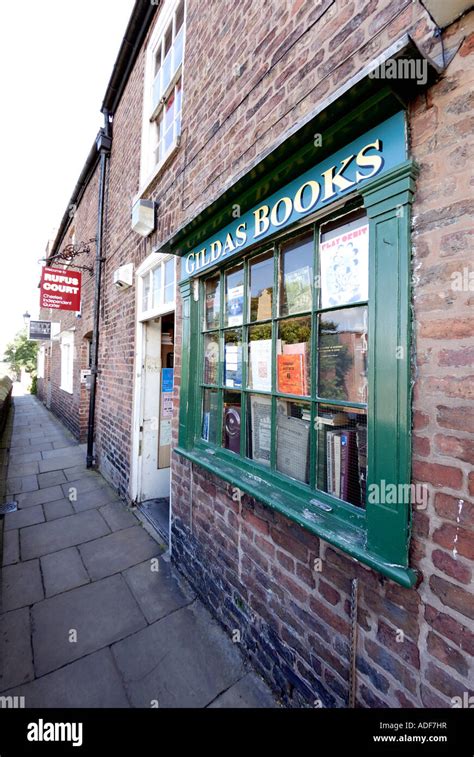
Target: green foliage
(34,385)
(22,353)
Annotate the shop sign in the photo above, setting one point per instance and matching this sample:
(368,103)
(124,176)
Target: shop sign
(370,155)
(39,330)
(60,289)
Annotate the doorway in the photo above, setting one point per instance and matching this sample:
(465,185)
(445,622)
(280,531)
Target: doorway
(154,448)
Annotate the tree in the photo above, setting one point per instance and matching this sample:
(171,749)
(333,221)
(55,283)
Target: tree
(22,353)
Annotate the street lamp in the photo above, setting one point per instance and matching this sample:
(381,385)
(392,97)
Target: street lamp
(26,317)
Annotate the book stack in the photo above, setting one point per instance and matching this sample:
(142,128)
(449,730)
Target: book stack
(361,430)
(166,337)
(342,467)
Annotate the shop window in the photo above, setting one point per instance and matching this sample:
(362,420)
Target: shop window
(67,361)
(297,403)
(164,90)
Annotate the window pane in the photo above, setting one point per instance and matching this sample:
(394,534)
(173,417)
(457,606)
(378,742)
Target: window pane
(344,256)
(342,452)
(209,416)
(211,358)
(259,414)
(342,355)
(231,422)
(178,50)
(157,286)
(234,296)
(169,281)
(213,302)
(260,357)
(261,287)
(296,275)
(233,358)
(294,356)
(179,16)
(146,292)
(166,71)
(293,423)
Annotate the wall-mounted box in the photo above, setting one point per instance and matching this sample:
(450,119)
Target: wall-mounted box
(143,217)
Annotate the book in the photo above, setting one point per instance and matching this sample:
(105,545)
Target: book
(235,305)
(298,290)
(342,465)
(333,419)
(300,348)
(261,407)
(232,427)
(290,371)
(344,266)
(293,447)
(233,365)
(261,364)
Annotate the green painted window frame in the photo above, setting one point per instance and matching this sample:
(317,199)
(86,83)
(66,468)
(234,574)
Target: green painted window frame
(379,535)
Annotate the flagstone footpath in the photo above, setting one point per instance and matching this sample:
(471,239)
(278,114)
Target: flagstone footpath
(85,620)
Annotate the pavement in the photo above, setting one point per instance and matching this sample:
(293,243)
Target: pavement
(93,614)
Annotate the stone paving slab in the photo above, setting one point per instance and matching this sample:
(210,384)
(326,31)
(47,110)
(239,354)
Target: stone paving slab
(101,612)
(58,534)
(100,495)
(63,462)
(118,551)
(62,571)
(249,692)
(22,484)
(21,585)
(51,478)
(92,681)
(74,472)
(40,497)
(183,660)
(58,509)
(11,547)
(23,469)
(157,592)
(15,648)
(27,457)
(83,484)
(117,516)
(30,516)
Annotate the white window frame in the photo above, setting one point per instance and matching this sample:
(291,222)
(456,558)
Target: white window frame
(145,273)
(66,343)
(154,113)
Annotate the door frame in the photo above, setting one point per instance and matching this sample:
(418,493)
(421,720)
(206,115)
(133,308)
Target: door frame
(141,318)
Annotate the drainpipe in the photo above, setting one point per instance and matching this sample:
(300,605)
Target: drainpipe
(104,143)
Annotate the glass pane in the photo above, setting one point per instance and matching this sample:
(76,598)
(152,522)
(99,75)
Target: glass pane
(342,453)
(169,281)
(231,422)
(233,359)
(146,292)
(344,260)
(177,109)
(166,71)
(293,425)
(260,357)
(259,416)
(294,356)
(179,16)
(296,275)
(213,302)
(342,355)
(261,287)
(157,286)
(178,50)
(211,358)
(234,296)
(209,416)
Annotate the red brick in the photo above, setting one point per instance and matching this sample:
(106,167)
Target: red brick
(421,445)
(446,654)
(452,328)
(455,538)
(450,386)
(420,420)
(444,682)
(330,594)
(451,567)
(329,617)
(457,358)
(290,545)
(454,508)
(453,596)
(285,561)
(456,418)
(405,649)
(462,449)
(437,475)
(450,628)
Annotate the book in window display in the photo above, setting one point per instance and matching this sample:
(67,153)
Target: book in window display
(232,427)
(298,290)
(233,365)
(261,364)
(293,447)
(291,374)
(344,267)
(261,419)
(211,361)
(235,305)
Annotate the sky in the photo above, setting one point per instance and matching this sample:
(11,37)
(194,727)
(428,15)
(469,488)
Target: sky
(56,58)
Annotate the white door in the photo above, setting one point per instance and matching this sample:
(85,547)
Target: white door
(153,482)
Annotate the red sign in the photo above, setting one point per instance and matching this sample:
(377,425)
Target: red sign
(60,290)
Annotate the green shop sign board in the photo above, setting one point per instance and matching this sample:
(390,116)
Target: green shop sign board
(372,154)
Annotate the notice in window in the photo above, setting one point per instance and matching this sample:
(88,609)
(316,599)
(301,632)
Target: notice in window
(344,257)
(293,447)
(235,305)
(261,365)
(261,415)
(298,290)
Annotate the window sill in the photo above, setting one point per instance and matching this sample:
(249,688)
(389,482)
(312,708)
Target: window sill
(157,170)
(66,389)
(350,538)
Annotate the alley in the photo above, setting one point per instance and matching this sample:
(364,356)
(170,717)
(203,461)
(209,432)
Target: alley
(93,613)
